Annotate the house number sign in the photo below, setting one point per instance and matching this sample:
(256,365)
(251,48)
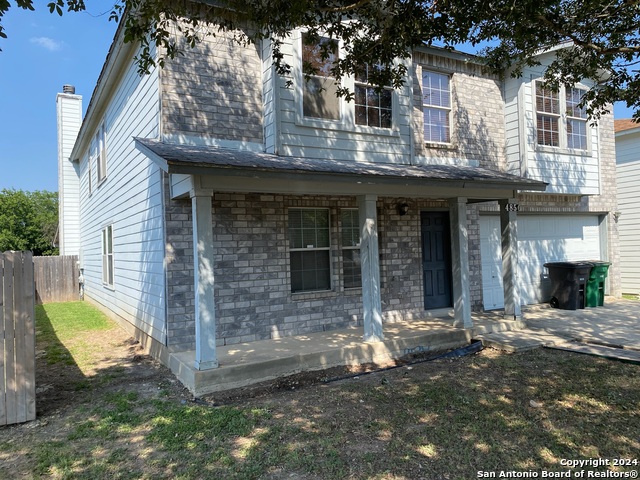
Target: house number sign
(512,207)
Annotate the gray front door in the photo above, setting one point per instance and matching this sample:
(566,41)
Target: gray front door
(436,259)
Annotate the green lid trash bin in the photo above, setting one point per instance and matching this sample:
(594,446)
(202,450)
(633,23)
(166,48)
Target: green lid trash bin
(595,284)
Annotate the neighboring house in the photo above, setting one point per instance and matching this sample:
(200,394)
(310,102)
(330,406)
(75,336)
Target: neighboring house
(217,205)
(628,168)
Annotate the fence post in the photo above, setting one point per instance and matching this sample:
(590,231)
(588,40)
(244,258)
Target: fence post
(17,349)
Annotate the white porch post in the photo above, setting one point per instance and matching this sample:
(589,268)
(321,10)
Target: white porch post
(370,268)
(509,233)
(206,357)
(460,262)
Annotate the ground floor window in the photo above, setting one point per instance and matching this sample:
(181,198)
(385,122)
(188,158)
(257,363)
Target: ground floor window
(309,249)
(107,255)
(350,237)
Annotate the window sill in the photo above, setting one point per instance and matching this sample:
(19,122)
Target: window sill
(441,146)
(339,125)
(311,295)
(562,151)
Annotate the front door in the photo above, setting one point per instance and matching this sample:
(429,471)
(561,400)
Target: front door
(436,259)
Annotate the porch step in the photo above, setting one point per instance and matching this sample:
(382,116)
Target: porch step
(246,364)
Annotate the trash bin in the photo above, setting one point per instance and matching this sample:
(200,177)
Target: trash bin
(595,284)
(568,284)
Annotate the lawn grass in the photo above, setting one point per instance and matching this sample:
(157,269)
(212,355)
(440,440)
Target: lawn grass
(446,419)
(64,331)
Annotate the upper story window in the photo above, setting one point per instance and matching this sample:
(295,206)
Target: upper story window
(436,106)
(576,119)
(99,153)
(319,98)
(548,116)
(373,108)
(309,249)
(551,106)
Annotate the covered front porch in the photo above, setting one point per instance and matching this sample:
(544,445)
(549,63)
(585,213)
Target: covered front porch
(199,174)
(245,364)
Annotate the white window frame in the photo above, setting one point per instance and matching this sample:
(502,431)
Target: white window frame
(107,256)
(562,119)
(346,122)
(89,162)
(364,83)
(303,83)
(581,119)
(310,248)
(101,152)
(441,108)
(351,247)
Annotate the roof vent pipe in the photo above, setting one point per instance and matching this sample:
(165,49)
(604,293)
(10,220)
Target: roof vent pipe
(69,89)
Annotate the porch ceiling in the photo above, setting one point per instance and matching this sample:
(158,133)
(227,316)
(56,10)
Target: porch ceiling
(267,172)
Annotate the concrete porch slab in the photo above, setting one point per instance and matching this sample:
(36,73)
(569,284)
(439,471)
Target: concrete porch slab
(248,363)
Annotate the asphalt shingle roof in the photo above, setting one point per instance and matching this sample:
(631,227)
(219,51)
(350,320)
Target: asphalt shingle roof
(180,157)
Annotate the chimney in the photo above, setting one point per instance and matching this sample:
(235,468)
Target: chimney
(69,112)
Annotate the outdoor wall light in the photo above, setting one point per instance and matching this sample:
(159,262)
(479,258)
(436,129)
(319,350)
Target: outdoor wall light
(403,209)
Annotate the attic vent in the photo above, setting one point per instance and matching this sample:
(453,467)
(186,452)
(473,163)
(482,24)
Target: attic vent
(69,89)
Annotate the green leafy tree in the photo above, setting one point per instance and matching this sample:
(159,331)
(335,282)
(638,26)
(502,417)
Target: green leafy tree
(28,221)
(601,36)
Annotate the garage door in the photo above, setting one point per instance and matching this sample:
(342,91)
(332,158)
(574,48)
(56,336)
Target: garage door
(541,239)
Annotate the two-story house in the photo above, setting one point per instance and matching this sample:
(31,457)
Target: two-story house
(214,202)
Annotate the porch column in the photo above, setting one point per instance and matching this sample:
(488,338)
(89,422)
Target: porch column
(206,357)
(460,262)
(509,233)
(370,268)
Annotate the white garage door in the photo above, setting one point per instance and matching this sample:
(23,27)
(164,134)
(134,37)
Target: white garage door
(541,239)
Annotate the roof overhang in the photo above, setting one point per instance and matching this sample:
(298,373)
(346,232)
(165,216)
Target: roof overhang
(255,171)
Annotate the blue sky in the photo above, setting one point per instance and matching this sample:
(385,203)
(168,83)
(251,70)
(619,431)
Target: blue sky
(44,52)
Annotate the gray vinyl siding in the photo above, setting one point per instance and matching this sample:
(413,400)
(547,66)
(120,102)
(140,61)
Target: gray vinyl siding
(270,103)
(314,138)
(513,126)
(566,172)
(628,176)
(130,199)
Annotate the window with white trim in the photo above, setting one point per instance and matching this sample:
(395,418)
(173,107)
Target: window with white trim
(107,255)
(552,106)
(436,106)
(319,99)
(89,163)
(576,119)
(350,239)
(548,115)
(373,107)
(309,249)
(101,152)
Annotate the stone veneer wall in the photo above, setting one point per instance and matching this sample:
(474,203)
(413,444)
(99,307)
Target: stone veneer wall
(214,91)
(253,292)
(477,108)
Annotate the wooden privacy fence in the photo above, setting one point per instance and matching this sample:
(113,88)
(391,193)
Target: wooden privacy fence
(17,338)
(56,279)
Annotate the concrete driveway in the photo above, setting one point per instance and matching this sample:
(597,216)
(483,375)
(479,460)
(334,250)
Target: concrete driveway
(611,331)
(617,323)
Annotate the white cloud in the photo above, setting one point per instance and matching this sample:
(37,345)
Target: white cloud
(48,43)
